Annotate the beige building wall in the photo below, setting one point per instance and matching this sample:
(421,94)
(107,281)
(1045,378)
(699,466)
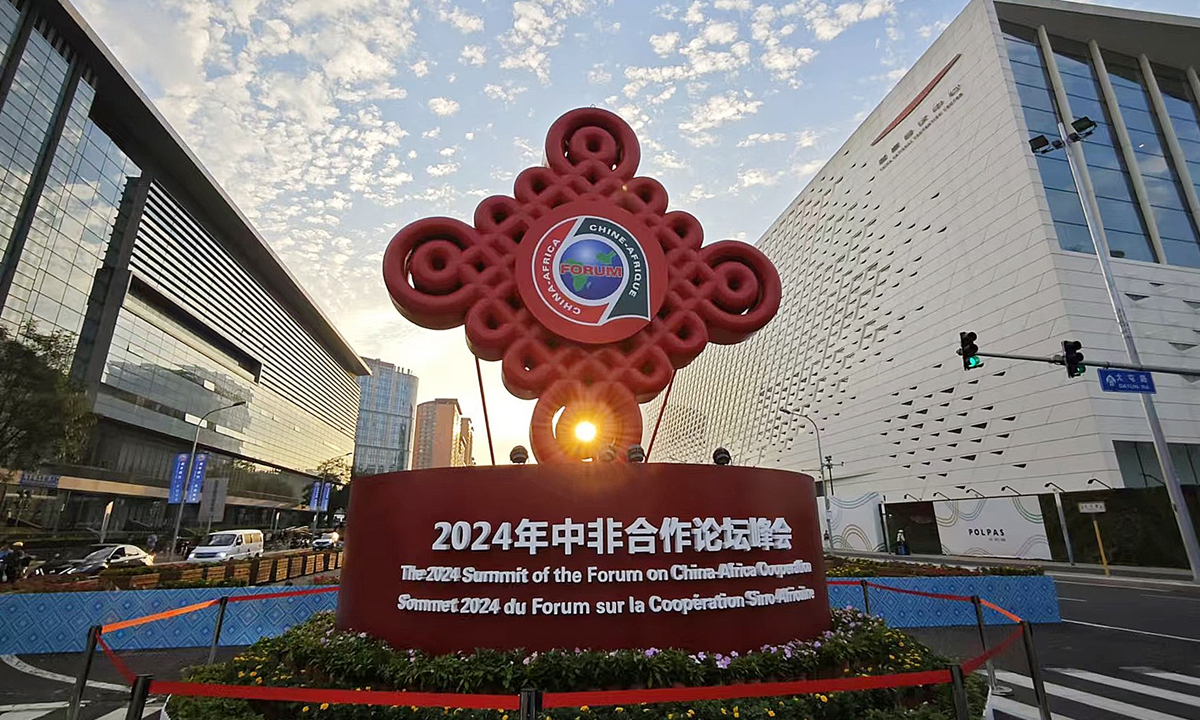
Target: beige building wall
(442,437)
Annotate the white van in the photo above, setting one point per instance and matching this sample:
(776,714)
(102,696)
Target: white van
(228,545)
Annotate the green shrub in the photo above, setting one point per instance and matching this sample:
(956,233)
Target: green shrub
(181,584)
(840,566)
(316,654)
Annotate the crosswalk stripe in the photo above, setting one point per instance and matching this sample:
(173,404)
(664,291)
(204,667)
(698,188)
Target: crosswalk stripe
(1020,709)
(34,706)
(1086,698)
(1164,675)
(1175,697)
(119,714)
(23,715)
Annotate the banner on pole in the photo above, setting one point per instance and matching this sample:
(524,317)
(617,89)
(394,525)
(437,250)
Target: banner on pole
(196,481)
(178,478)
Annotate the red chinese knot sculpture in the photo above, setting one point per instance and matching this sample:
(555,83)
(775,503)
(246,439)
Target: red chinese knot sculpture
(587,290)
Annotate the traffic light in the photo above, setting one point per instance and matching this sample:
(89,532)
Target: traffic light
(1072,358)
(969,351)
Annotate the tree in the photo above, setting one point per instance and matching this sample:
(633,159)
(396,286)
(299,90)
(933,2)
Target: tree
(43,415)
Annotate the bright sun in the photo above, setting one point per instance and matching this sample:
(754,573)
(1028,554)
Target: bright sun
(585,431)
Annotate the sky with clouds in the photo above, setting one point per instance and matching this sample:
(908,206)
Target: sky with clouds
(333,123)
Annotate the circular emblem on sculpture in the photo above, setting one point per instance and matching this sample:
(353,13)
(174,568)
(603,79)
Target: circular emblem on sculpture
(591,272)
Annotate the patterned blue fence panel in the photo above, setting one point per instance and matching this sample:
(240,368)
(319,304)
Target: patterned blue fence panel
(1034,598)
(58,622)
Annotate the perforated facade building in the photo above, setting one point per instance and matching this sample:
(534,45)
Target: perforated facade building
(937,217)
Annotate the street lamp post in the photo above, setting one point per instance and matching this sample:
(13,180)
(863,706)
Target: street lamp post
(1062,520)
(821,464)
(191,462)
(1071,139)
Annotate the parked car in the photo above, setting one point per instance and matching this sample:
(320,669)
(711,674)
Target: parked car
(103,557)
(228,545)
(328,541)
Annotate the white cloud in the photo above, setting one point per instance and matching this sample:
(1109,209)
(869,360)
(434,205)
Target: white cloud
(431,134)
(750,178)
(464,22)
(762,139)
(719,110)
(443,106)
(663,45)
(738,5)
(828,22)
(935,28)
(807,138)
(719,33)
(504,93)
(448,151)
(538,25)
(473,55)
(669,161)
(694,14)
(420,69)
(599,75)
(442,169)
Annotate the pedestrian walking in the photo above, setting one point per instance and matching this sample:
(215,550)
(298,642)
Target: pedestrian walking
(151,543)
(901,543)
(15,562)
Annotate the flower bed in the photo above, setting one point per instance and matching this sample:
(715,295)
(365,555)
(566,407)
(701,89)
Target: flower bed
(839,566)
(315,654)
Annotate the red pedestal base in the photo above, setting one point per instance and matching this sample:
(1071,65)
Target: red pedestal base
(588,555)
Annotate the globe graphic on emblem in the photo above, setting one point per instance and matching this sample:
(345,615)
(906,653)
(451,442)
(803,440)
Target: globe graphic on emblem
(591,269)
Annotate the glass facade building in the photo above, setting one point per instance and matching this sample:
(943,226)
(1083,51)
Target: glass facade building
(383,439)
(1141,185)
(115,235)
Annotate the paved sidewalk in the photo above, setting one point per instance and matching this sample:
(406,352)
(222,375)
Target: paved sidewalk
(1052,568)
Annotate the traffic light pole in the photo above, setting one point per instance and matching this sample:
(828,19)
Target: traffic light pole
(1091,214)
(1058,360)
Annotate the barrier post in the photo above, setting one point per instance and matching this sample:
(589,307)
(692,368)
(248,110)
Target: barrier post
(93,637)
(212,650)
(991,669)
(1035,671)
(531,703)
(137,697)
(866,597)
(959,690)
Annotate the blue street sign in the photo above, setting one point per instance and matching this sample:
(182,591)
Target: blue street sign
(178,474)
(325,490)
(314,497)
(1128,381)
(196,481)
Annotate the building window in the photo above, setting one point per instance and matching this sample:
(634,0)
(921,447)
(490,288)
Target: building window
(1037,104)
(1179,239)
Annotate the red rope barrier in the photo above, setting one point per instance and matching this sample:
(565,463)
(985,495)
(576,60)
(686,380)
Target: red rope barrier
(973,664)
(333,697)
(550,700)
(729,692)
(186,609)
(117,662)
(1002,611)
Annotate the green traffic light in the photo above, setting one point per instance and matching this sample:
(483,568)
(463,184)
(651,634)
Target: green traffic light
(974,362)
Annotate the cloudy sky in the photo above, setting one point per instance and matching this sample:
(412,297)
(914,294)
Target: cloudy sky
(333,123)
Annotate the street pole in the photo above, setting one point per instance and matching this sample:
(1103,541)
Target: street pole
(188,476)
(1062,521)
(1091,214)
(824,481)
